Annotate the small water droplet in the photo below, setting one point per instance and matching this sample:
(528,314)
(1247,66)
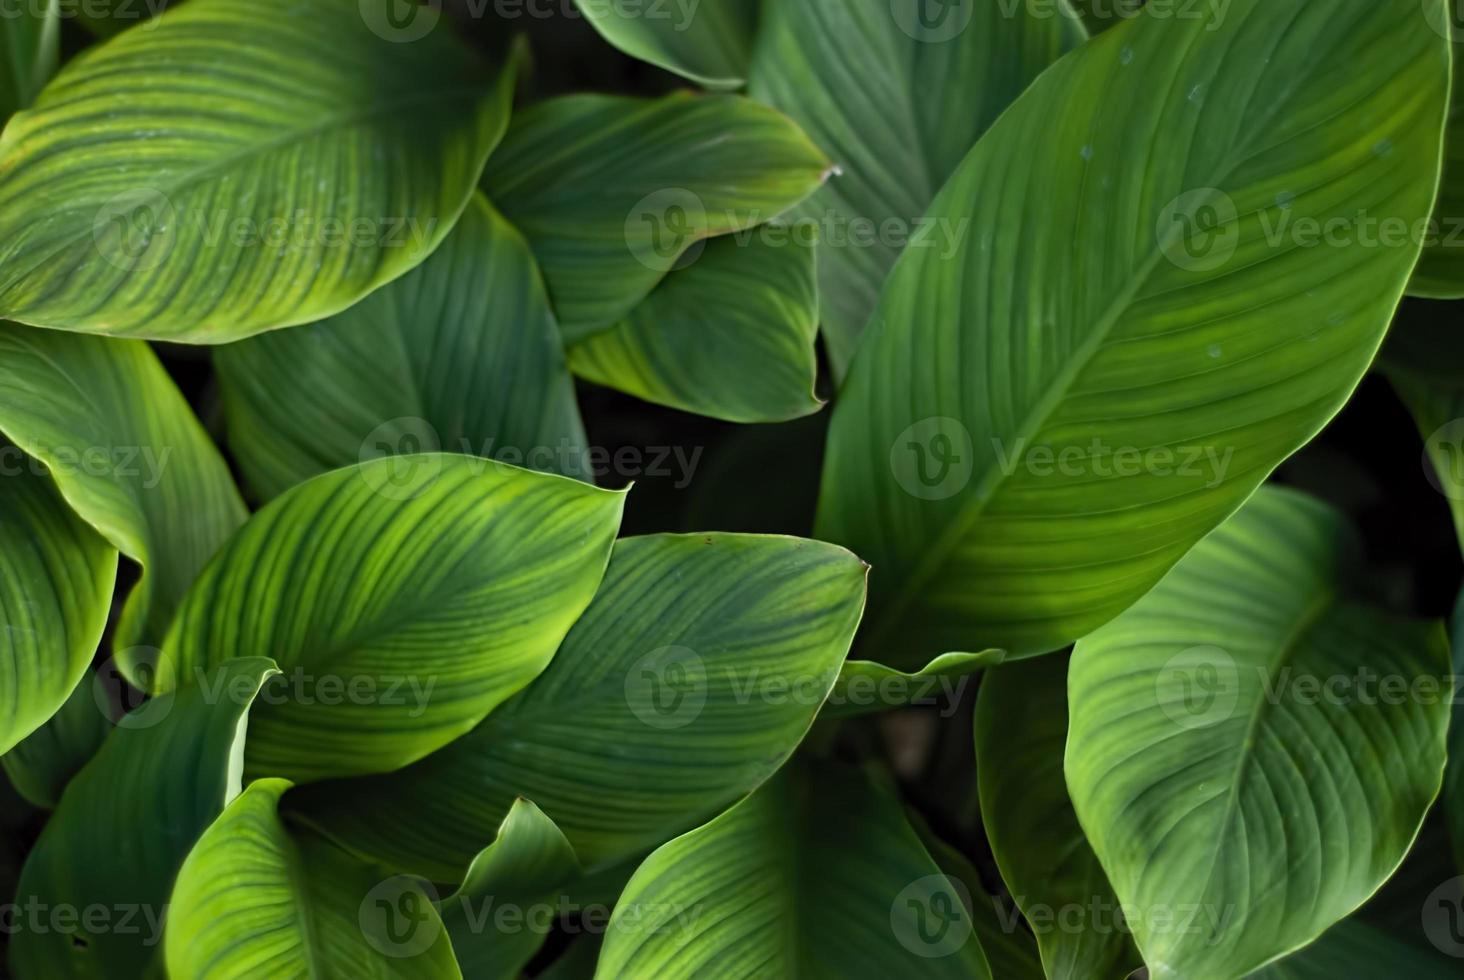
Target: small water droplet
(1126,56)
(1214,350)
(1382,148)
(1197,94)
(1086,152)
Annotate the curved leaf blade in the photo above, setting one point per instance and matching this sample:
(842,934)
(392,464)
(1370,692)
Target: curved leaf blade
(402,598)
(706,41)
(865,686)
(147,194)
(30,47)
(1098,389)
(1228,756)
(461,353)
(42,764)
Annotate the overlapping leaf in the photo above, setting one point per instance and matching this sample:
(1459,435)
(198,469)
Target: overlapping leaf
(694,673)
(1044,421)
(613,192)
(30,46)
(865,79)
(1440,272)
(706,41)
(817,874)
(43,763)
(460,354)
(147,193)
(402,598)
(129,457)
(1251,752)
(865,686)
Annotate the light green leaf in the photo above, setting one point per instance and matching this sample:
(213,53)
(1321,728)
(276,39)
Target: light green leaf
(496,919)
(694,673)
(43,763)
(126,823)
(1357,951)
(402,598)
(459,354)
(850,893)
(1042,423)
(862,78)
(254,899)
(150,194)
(56,579)
(30,46)
(1049,868)
(864,686)
(1453,793)
(1099,15)
(731,336)
(613,192)
(706,41)
(129,457)
(1251,751)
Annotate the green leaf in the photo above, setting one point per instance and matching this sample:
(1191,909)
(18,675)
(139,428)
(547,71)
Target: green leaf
(56,579)
(129,457)
(126,823)
(864,686)
(1453,793)
(149,194)
(1440,271)
(849,892)
(402,598)
(706,41)
(1047,863)
(1357,951)
(254,899)
(1251,751)
(731,336)
(694,673)
(1044,422)
(460,354)
(859,77)
(613,192)
(1099,15)
(43,763)
(30,47)
(495,918)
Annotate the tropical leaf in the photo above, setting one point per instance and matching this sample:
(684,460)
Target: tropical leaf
(1251,751)
(613,192)
(43,763)
(732,336)
(1049,868)
(1357,951)
(707,41)
(459,354)
(56,578)
(850,892)
(403,599)
(1099,15)
(254,899)
(865,686)
(694,673)
(1041,424)
(129,457)
(30,47)
(149,194)
(1440,272)
(859,77)
(497,919)
(126,823)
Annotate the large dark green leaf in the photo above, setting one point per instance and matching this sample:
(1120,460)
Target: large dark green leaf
(863,78)
(30,45)
(732,336)
(43,763)
(694,673)
(129,457)
(817,874)
(866,686)
(613,192)
(460,354)
(1044,421)
(402,598)
(1357,951)
(1251,750)
(126,823)
(254,899)
(1440,272)
(706,41)
(150,193)
(56,578)
(1049,868)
